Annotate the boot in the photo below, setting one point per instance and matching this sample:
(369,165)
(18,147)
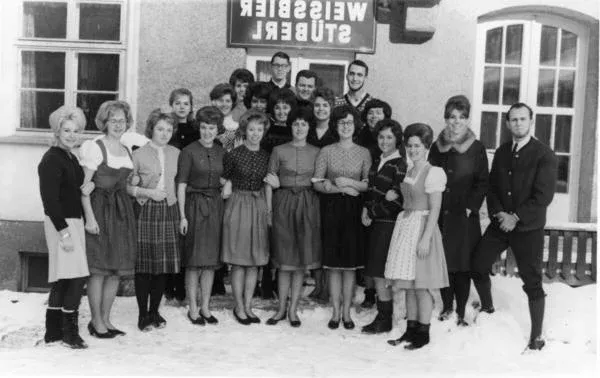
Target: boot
(369,301)
(53,325)
(421,337)
(70,328)
(536,313)
(483,284)
(409,334)
(383,320)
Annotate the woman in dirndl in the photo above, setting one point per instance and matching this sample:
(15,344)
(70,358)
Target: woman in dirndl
(416,261)
(296,230)
(247,215)
(154,170)
(61,179)
(200,202)
(341,174)
(110,220)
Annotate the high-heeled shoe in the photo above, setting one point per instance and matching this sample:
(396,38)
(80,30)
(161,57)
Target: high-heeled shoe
(95,333)
(246,321)
(116,332)
(333,324)
(253,319)
(210,319)
(274,320)
(198,321)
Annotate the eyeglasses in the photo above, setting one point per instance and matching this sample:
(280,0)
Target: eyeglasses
(279,66)
(345,123)
(114,122)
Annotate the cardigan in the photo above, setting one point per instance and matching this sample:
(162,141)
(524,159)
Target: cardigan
(523,184)
(146,165)
(389,177)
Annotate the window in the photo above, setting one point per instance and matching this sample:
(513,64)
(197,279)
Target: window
(71,52)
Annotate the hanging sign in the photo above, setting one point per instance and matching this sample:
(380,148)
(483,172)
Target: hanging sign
(315,24)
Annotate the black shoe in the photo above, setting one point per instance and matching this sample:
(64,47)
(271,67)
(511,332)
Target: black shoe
(333,324)
(218,287)
(536,344)
(348,324)
(116,332)
(253,319)
(370,300)
(420,339)
(144,323)
(210,320)
(246,321)
(198,321)
(274,320)
(407,336)
(294,323)
(461,322)
(105,335)
(157,320)
(488,309)
(70,330)
(53,325)
(445,314)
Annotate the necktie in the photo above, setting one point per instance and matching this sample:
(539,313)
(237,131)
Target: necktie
(514,150)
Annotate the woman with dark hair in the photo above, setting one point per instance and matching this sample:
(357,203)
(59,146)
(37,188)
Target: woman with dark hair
(375,111)
(257,96)
(61,186)
(465,162)
(109,216)
(247,213)
(296,230)
(154,170)
(322,134)
(416,261)
(281,103)
(382,205)
(240,79)
(341,174)
(201,206)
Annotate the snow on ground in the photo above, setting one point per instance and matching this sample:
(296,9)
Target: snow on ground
(492,346)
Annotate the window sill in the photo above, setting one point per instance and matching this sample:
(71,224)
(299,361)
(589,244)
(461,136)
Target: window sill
(38,138)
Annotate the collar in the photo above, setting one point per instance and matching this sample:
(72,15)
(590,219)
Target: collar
(394,155)
(521,143)
(157,148)
(444,143)
(279,86)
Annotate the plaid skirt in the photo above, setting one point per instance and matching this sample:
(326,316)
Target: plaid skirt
(158,238)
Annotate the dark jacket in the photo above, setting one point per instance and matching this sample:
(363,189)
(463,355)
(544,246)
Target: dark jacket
(389,177)
(523,184)
(466,166)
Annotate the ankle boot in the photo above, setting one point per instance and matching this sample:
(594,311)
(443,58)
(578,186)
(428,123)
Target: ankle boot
(383,320)
(53,325)
(409,334)
(70,328)
(369,301)
(536,313)
(421,337)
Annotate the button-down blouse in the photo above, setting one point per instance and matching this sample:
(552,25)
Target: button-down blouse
(295,166)
(201,167)
(335,161)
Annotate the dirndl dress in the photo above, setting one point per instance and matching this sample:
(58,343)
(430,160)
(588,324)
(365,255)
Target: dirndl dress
(202,243)
(158,238)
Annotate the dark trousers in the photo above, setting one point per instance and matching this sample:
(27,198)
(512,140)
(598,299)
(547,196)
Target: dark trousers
(528,248)
(66,294)
(459,287)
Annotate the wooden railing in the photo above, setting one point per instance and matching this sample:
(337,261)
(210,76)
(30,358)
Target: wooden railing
(569,255)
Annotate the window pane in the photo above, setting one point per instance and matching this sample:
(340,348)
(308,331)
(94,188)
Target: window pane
(543,127)
(514,43)
(100,22)
(489,125)
(562,184)
(44,20)
(90,103)
(545,93)
(41,69)
(566,86)
(491,85)
(512,82)
(37,106)
(548,45)
(98,72)
(331,75)
(562,136)
(493,46)
(568,49)
(505,135)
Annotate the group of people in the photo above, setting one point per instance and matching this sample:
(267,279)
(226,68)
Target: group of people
(294,180)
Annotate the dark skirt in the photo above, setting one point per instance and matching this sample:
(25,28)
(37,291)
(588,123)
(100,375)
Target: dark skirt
(158,238)
(343,234)
(202,243)
(113,250)
(379,236)
(245,229)
(296,231)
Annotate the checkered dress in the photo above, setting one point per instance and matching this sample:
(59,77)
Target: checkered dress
(158,238)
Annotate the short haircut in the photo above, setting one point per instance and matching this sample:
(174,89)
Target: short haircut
(280,54)
(183,92)
(107,109)
(258,89)
(242,75)
(301,112)
(359,63)
(309,75)
(66,113)
(211,115)
(342,112)
(221,90)
(374,104)
(253,115)
(287,96)
(519,105)
(460,103)
(326,94)
(155,117)
(394,127)
(421,131)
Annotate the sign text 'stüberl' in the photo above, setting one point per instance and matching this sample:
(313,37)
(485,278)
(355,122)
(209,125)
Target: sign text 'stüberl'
(323,24)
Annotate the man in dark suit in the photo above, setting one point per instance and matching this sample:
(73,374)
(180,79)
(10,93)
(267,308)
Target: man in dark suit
(522,184)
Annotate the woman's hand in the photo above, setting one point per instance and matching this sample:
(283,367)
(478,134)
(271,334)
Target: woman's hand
(327,185)
(67,243)
(366,221)
(272,180)
(87,188)
(391,195)
(183,226)
(157,194)
(350,191)
(423,247)
(269,218)
(226,191)
(468,212)
(238,141)
(134,180)
(341,182)
(92,227)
